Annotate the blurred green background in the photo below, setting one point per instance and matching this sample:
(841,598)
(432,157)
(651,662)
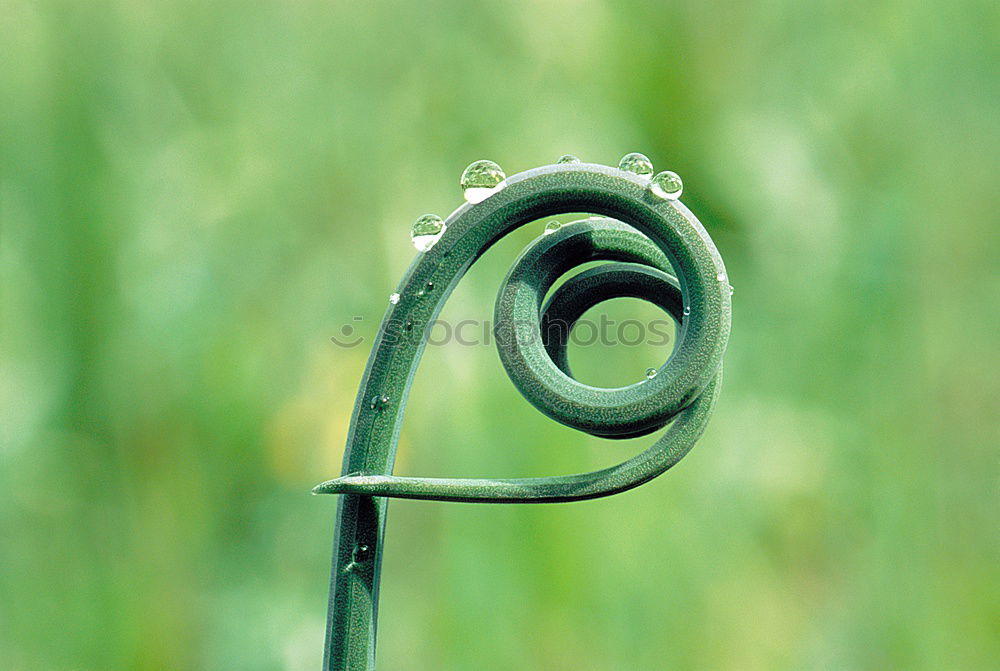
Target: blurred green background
(195,196)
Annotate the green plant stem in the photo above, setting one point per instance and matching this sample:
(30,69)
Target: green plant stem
(656,235)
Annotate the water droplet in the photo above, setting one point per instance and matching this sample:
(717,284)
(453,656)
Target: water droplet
(637,163)
(651,373)
(730,289)
(408,325)
(687,310)
(377,402)
(552,227)
(426,231)
(666,185)
(430,286)
(481,180)
(394,299)
(568,158)
(721,277)
(361,554)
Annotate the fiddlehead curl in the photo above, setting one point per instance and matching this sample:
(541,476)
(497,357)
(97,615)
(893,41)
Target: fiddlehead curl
(644,236)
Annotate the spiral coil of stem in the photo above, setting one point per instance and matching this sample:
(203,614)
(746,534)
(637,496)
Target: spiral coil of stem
(655,249)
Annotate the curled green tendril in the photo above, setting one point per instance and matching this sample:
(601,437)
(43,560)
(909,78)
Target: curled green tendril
(643,239)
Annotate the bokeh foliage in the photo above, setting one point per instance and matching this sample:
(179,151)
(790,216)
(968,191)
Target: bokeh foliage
(194,196)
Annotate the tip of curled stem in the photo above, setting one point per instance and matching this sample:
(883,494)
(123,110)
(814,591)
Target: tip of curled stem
(352,483)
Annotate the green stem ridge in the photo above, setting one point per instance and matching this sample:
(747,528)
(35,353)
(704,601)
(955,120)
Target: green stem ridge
(657,237)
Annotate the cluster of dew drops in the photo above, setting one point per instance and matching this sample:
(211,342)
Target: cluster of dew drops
(483,178)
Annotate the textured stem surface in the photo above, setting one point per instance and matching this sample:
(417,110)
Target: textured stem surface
(645,239)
